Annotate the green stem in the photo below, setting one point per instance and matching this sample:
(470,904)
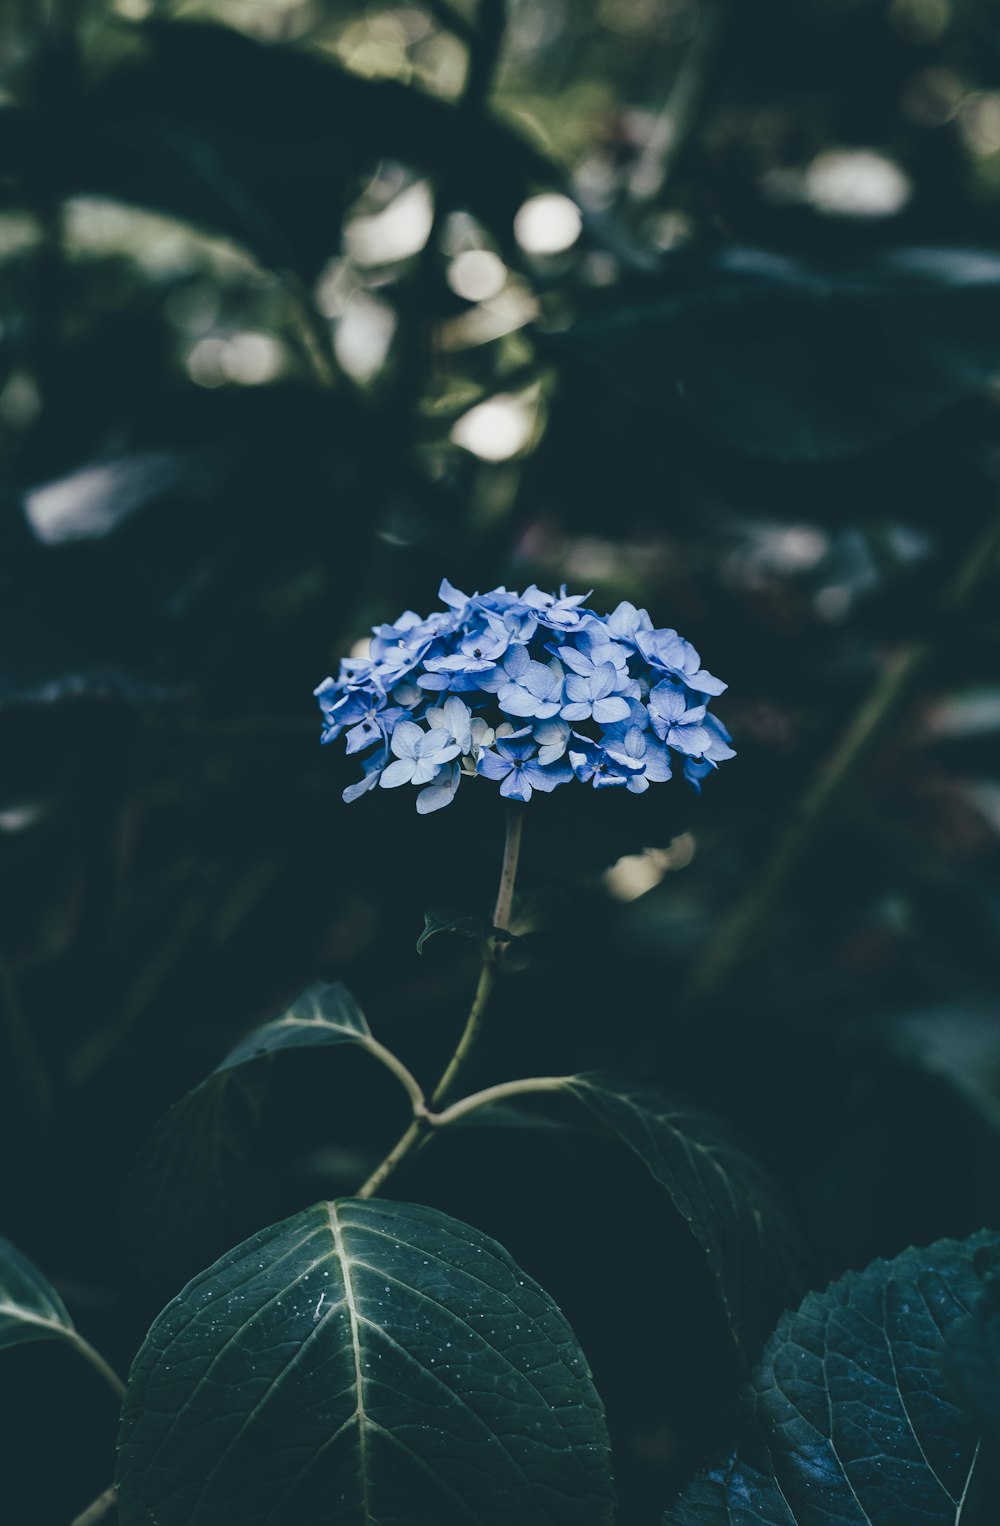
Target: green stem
(98,1509)
(404,1076)
(487,974)
(877,709)
(499,1093)
(96,1361)
(404,1144)
(418,1131)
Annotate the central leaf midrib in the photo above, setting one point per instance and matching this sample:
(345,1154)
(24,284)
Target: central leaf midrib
(361,1416)
(25,1317)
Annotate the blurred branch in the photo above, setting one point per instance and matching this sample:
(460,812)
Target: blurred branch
(311,331)
(682,110)
(417,325)
(451,19)
(889,693)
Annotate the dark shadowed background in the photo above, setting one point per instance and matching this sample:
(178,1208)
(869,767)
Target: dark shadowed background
(306,304)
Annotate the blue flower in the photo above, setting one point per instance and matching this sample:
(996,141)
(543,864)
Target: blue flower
(599,693)
(529,690)
(681,726)
(594,764)
(418,754)
(526,688)
(669,653)
(516,764)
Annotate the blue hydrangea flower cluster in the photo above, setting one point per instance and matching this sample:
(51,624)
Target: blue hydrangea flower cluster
(529,689)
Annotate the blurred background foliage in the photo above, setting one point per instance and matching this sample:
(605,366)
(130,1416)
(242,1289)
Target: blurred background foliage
(304,304)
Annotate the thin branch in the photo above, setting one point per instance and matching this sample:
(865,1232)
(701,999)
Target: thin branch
(889,692)
(499,1093)
(452,20)
(682,109)
(413,350)
(98,1509)
(96,1360)
(487,974)
(419,1130)
(405,1076)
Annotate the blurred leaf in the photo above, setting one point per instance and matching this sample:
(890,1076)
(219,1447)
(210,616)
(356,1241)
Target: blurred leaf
(401,1360)
(959,1043)
(40,666)
(851,1418)
(781,359)
(732,1208)
(30,1308)
(186,1197)
(259,143)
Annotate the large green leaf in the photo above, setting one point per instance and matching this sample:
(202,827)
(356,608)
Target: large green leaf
(364,1363)
(30,1308)
(780,359)
(725,1196)
(852,1421)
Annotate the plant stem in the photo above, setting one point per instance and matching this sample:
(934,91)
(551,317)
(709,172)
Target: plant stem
(404,1144)
(98,1509)
(682,110)
(888,693)
(487,973)
(499,1093)
(419,1130)
(96,1361)
(403,1075)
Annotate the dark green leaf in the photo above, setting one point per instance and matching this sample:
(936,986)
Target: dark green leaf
(323,1014)
(783,360)
(730,1204)
(451,922)
(186,1196)
(852,1419)
(30,1308)
(260,143)
(974,1351)
(363,1362)
(958,1043)
(38,666)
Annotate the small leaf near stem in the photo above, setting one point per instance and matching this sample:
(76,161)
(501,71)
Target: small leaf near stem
(419,1130)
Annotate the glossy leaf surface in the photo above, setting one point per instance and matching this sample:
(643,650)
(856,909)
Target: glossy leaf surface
(363,1362)
(725,1196)
(852,1421)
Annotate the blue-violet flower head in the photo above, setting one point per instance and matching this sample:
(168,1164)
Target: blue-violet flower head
(529,690)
